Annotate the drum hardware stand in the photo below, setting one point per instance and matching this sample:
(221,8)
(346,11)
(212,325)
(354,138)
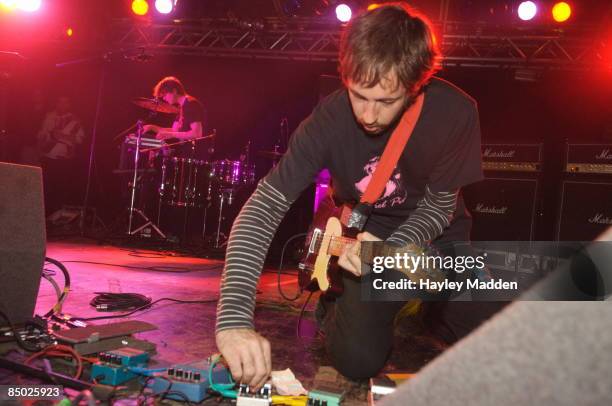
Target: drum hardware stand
(161,191)
(206,207)
(223,192)
(229,192)
(132,209)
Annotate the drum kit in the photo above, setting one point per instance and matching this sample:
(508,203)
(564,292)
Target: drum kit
(183,183)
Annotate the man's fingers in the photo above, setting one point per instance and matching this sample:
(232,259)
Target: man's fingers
(248,365)
(352,256)
(347,265)
(248,355)
(260,375)
(235,365)
(267,353)
(366,236)
(349,260)
(356,263)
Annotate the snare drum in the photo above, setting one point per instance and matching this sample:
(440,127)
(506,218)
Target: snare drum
(183,181)
(232,173)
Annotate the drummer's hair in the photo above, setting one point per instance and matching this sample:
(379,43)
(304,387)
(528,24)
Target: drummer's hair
(168,85)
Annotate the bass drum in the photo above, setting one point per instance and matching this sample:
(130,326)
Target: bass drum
(183,182)
(232,173)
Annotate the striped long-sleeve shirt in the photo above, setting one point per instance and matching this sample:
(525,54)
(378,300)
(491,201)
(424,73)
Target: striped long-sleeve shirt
(254,229)
(246,250)
(435,212)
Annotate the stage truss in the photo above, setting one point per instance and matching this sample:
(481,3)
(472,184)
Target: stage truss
(467,45)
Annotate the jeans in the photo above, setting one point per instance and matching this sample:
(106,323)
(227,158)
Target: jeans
(359,334)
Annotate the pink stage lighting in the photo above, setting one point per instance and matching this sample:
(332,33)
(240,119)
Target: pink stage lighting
(343,13)
(527,10)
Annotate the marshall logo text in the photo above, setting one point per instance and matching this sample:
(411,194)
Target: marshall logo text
(491,153)
(605,155)
(600,219)
(481,208)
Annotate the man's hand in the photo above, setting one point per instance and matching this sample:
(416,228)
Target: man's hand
(150,128)
(350,259)
(162,136)
(247,354)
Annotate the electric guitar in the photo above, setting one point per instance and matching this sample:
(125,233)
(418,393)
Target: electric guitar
(327,239)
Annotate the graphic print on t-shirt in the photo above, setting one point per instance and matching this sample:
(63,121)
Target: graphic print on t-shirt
(394,193)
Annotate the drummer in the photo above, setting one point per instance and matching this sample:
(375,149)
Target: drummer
(188,123)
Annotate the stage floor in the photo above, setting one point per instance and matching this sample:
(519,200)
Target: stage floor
(186,331)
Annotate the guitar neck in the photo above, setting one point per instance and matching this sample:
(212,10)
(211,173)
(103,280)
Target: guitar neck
(366,251)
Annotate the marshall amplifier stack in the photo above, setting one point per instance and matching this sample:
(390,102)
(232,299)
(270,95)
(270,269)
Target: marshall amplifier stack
(585,204)
(505,205)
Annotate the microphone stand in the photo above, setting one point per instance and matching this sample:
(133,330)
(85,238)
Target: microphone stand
(91,151)
(105,58)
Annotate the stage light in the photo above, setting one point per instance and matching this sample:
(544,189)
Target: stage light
(8,5)
(69,32)
(373,6)
(28,5)
(164,6)
(527,10)
(140,7)
(561,12)
(343,13)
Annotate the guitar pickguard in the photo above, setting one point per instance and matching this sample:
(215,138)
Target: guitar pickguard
(319,270)
(333,228)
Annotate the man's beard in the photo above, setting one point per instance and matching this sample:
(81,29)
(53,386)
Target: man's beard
(374,131)
(378,130)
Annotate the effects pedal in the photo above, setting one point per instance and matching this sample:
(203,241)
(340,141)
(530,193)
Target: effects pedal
(262,397)
(113,367)
(323,396)
(188,381)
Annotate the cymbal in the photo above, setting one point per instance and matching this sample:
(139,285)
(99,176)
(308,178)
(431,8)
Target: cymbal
(155,105)
(270,154)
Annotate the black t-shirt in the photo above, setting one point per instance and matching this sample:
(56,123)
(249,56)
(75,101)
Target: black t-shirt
(191,111)
(443,152)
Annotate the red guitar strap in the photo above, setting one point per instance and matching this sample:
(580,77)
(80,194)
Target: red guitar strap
(393,150)
(388,161)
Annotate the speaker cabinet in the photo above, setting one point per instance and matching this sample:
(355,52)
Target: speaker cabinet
(22,240)
(585,210)
(502,209)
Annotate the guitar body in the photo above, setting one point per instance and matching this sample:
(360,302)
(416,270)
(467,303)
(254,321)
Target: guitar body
(327,239)
(319,270)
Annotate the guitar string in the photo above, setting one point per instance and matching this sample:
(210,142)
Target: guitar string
(336,239)
(335,242)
